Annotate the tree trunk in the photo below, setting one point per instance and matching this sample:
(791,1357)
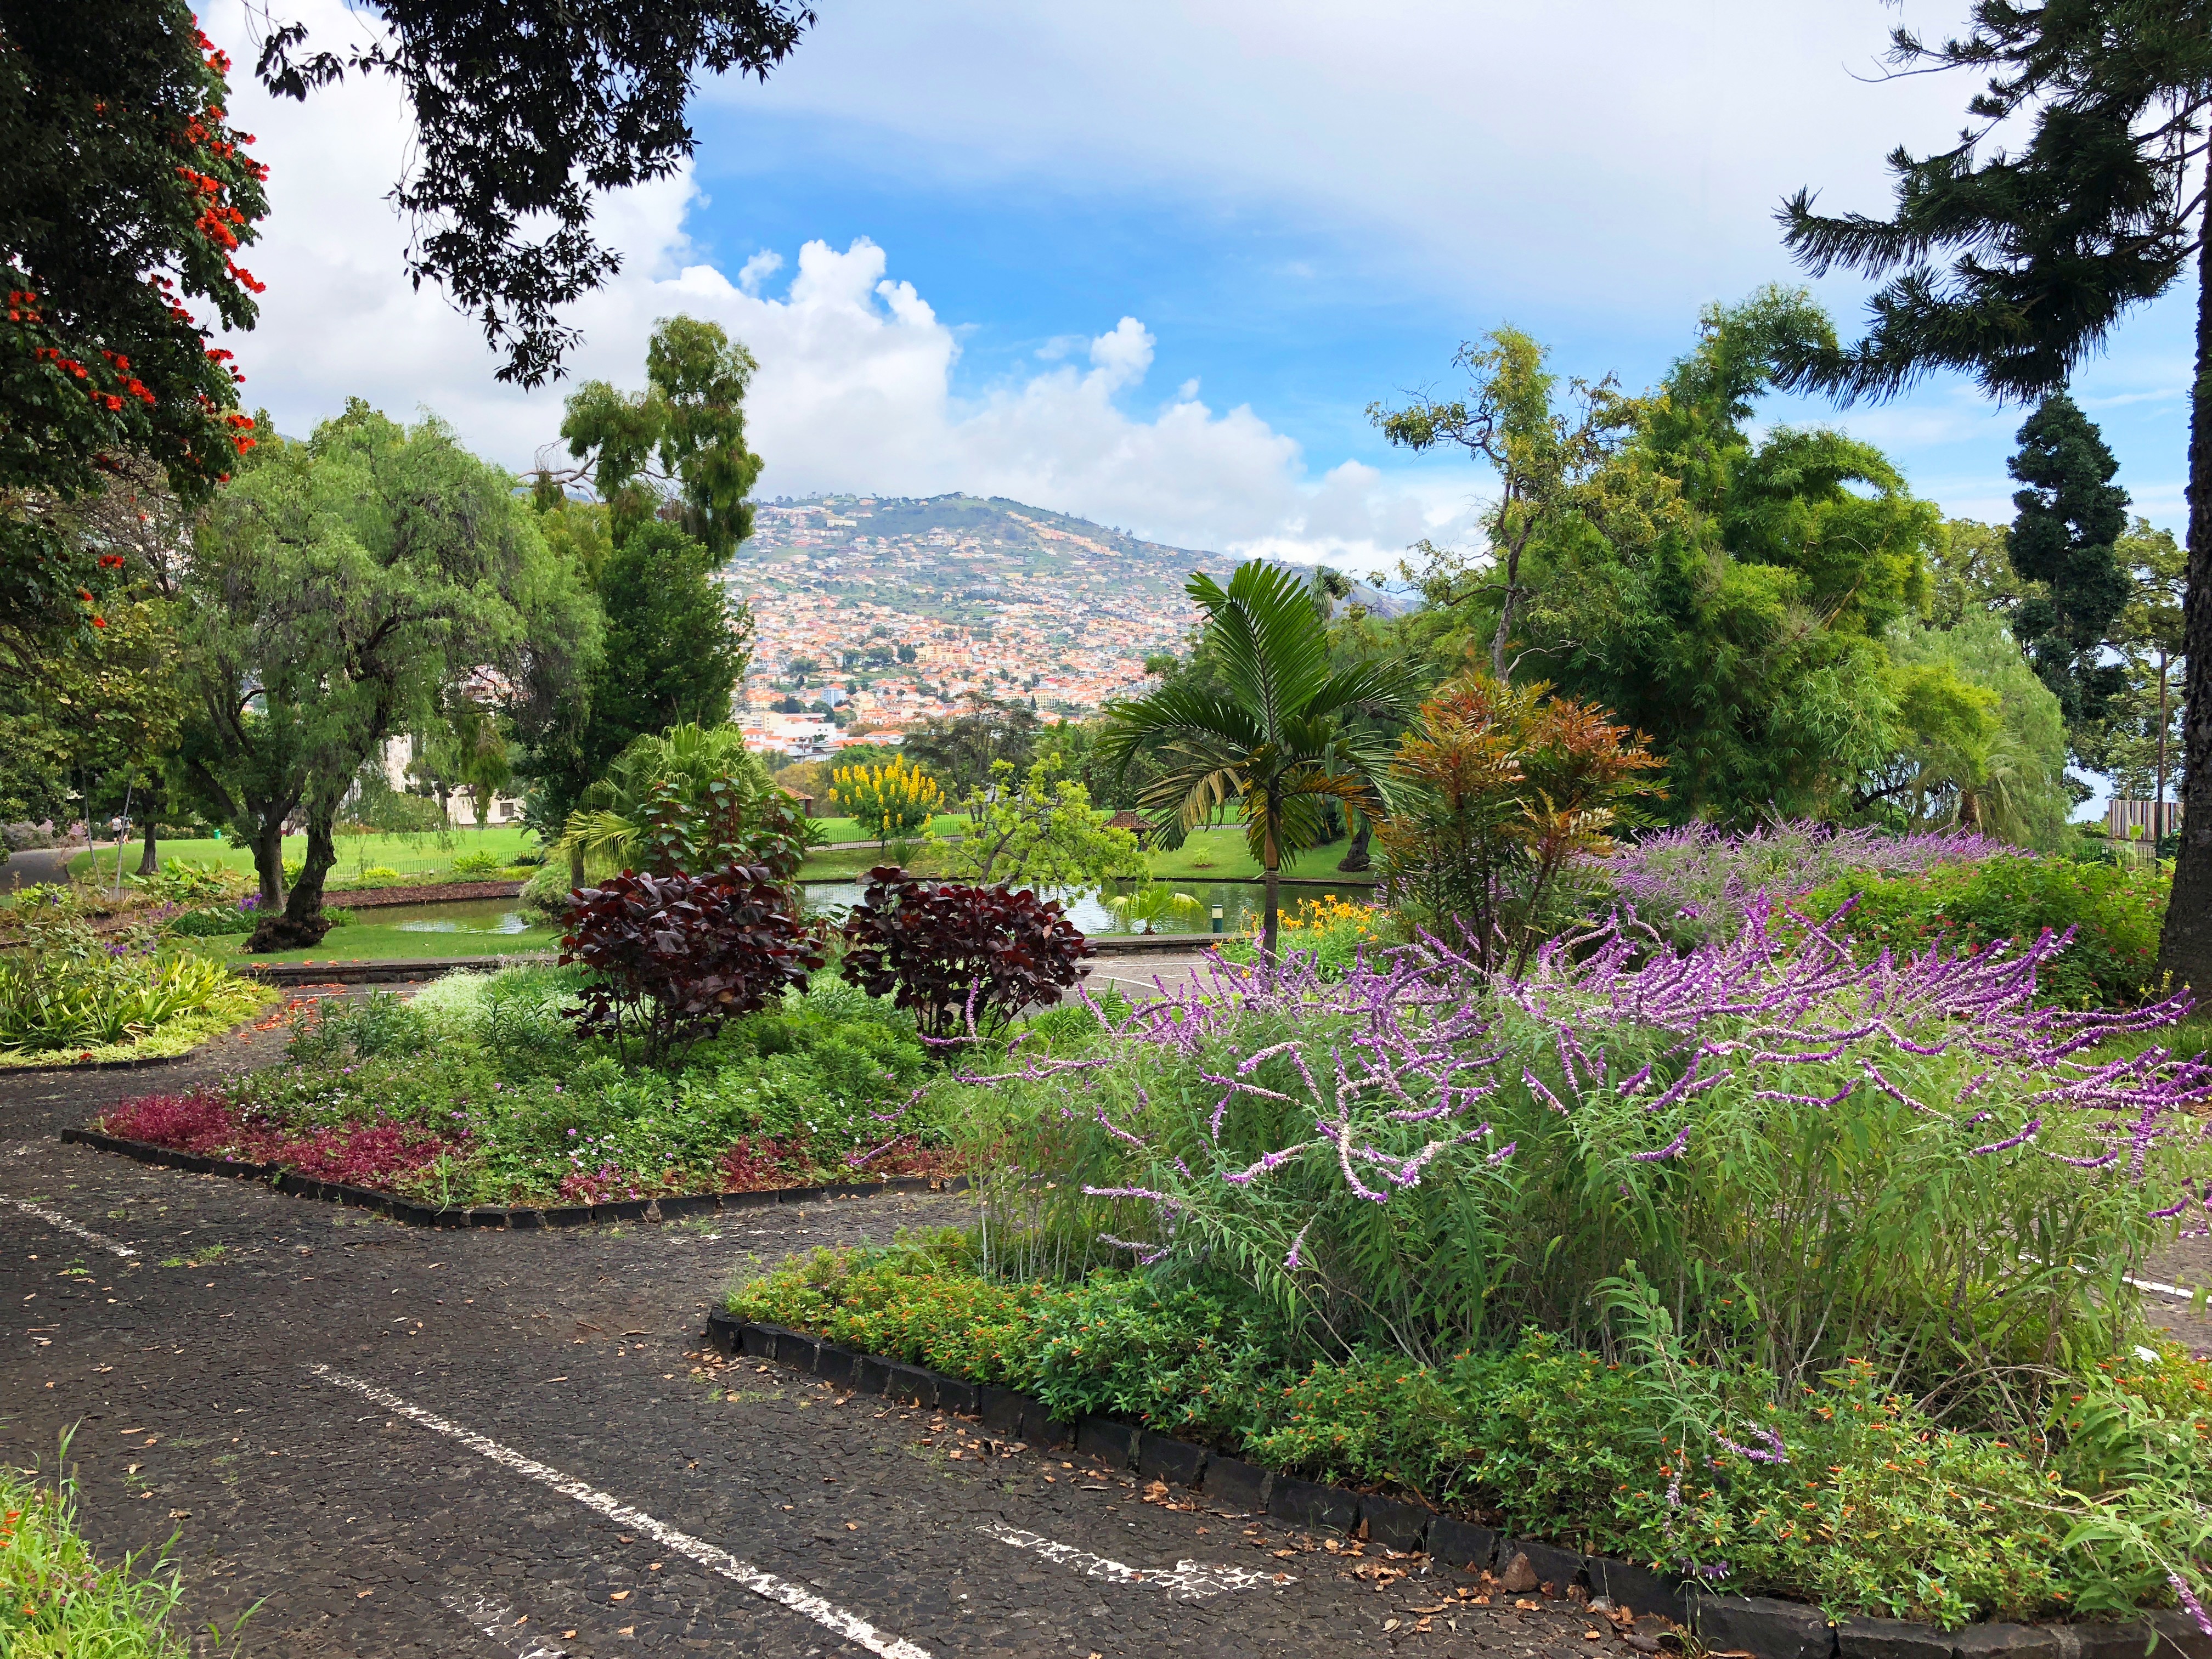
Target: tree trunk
(576,867)
(149,861)
(1268,917)
(2184,950)
(268,844)
(1355,857)
(2165,719)
(300,924)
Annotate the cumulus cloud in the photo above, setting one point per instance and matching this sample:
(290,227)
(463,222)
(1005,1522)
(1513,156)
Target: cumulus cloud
(856,389)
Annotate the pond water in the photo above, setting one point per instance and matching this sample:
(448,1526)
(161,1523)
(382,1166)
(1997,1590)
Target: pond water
(461,916)
(1240,904)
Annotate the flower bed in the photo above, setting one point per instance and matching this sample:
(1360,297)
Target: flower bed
(1849,1497)
(1779,1270)
(479,1092)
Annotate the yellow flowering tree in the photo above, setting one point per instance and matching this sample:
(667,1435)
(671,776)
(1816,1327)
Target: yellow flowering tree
(895,799)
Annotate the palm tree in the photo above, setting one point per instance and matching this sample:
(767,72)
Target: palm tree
(1282,738)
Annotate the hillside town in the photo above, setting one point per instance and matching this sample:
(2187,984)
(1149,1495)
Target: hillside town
(870,612)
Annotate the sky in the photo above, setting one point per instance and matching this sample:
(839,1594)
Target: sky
(1150,262)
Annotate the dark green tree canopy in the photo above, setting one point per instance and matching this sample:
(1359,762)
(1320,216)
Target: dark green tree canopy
(2103,208)
(673,656)
(524,112)
(2071,513)
(2049,244)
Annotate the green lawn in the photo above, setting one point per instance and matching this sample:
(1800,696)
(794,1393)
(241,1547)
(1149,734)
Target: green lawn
(944,824)
(366,942)
(409,854)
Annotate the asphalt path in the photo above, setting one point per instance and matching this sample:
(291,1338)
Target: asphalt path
(387,1440)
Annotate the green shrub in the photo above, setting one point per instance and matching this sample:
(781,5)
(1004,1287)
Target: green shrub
(2116,913)
(380,875)
(545,895)
(182,881)
(1836,1492)
(475,864)
(216,921)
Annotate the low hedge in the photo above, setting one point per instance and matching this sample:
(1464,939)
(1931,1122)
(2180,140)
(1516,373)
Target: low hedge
(2116,915)
(1843,1495)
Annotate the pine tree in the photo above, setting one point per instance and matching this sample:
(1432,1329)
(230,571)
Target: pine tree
(2100,209)
(2071,513)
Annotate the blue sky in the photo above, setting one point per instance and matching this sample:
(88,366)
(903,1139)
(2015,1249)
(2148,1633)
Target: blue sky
(1298,208)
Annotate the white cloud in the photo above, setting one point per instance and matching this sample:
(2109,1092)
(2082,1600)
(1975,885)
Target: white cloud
(856,389)
(758,268)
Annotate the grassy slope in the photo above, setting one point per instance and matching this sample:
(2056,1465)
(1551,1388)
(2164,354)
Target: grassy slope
(409,855)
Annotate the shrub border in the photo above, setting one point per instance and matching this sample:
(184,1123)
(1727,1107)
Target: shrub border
(1766,1626)
(515,1218)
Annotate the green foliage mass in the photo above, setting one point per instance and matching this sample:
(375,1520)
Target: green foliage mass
(2116,913)
(494,1060)
(1875,1507)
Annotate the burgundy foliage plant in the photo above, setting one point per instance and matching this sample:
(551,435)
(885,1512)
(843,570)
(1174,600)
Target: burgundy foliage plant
(964,960)
(672,956)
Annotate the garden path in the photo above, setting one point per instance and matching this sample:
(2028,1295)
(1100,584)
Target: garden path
(404,1499)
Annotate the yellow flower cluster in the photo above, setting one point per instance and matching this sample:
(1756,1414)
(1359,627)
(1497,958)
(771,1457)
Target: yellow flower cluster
(1328,911)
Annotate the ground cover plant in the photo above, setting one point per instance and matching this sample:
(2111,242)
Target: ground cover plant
(483,1089)
(1757,1261)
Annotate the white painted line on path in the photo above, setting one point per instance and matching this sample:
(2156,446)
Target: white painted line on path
(56,1218)
(496,1619)
(1187,1581)
(851,1626)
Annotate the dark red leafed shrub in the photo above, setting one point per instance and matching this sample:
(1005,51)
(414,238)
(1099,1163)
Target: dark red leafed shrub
(757,1162)
(201,1122)
(964,959)
(205,1123)
(673,957)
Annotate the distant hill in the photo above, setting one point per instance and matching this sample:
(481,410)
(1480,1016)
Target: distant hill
(958,558)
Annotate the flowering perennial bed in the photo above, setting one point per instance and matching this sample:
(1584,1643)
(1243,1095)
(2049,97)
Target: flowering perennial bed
(1777,1268)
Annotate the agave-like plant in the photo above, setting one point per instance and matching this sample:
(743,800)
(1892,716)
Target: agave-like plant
(1290,736)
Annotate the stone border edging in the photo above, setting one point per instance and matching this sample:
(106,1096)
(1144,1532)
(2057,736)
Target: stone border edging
(1763,1626)
(516,1217)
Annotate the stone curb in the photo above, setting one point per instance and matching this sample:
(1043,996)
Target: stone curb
(1757,1625)
(42,1069)
(516,1217)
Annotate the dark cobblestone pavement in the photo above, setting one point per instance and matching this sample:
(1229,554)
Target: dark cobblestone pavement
(183,1371)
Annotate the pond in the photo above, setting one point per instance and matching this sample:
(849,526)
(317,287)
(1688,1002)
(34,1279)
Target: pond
(1240,904)
(457,916)
(1171,907)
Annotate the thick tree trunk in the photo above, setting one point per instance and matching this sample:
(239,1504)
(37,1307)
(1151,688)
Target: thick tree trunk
(268,844)
(300,924)
(576,867)
(1355,857)
(1270,917)
(149,861)
(2186,949)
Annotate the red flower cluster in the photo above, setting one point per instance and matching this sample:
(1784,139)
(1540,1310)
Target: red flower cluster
(20,306)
